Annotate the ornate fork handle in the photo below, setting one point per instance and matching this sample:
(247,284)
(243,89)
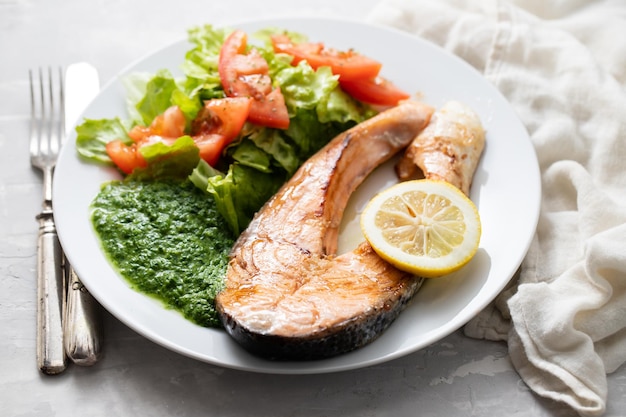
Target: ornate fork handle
(83,324)
(51,357)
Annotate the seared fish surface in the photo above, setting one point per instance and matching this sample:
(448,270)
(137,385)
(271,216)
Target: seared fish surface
(287,295)
(448,149)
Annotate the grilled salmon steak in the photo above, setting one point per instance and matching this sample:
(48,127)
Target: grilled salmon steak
(288,295)
(449,149)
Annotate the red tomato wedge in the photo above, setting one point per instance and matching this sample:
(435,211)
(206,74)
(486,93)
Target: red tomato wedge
(270,111)
(126,157)
(376,90)
(218,123)
(224,116)
(139,133)
(246,75)
(211,146)
(349,65)
(170,124)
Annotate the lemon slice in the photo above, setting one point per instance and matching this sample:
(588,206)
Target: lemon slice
(426,227)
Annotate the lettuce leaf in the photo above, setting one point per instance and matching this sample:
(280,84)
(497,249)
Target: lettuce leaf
(239,194)
(201,62)
(161,92)
(168,161)
(93,135)
(248,154)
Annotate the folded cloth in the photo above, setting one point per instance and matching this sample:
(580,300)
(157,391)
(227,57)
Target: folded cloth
(562,65)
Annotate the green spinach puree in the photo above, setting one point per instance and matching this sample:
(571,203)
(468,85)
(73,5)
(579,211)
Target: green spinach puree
(167,239)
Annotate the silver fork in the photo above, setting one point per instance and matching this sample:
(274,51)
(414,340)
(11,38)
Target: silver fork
(47,132)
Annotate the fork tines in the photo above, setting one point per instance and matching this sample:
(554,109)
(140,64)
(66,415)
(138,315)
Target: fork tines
(47,116)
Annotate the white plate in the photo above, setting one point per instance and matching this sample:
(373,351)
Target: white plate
(506,190)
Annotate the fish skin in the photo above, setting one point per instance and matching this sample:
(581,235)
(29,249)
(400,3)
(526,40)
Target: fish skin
(288,296)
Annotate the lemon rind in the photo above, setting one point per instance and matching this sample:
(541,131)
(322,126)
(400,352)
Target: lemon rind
(423,265)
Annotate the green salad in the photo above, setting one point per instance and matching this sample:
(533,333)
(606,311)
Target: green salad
(260,158)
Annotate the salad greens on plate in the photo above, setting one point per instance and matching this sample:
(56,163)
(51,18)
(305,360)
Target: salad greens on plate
(212,124)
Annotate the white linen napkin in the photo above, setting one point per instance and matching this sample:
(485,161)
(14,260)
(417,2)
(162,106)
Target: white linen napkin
(562,65)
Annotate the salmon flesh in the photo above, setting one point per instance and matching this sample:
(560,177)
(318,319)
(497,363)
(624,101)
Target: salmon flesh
(288,295)
(449,149)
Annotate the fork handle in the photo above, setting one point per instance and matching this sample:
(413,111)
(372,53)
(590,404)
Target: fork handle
(51,358)
(83,322)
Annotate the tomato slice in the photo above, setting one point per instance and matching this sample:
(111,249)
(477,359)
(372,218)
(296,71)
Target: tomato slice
(270,111)
(237,69)
(349,65)
(378,91)
(224,116)
(246,75)
(126,157)
(218,123)
(235,44)
(139,133)
(170,124)
(211,146)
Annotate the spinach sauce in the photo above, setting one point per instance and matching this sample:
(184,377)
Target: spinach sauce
(168,240)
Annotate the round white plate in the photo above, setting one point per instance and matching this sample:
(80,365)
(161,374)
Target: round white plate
(506,190)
